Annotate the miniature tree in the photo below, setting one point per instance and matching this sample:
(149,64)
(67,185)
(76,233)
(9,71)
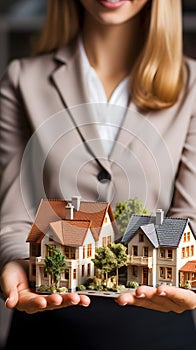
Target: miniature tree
(104,260)
(54,265)
(121,257)
(125,209)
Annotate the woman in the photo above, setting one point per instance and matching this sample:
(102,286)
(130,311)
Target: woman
(98,111)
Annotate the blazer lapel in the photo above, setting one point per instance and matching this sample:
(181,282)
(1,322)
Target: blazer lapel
(66,77)
(70,82)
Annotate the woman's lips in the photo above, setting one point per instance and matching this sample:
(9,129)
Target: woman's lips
(112,4)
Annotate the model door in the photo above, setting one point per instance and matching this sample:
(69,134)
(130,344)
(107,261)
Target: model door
(145,276)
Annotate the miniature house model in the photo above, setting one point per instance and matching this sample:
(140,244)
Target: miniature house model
(76,228)
(161,250)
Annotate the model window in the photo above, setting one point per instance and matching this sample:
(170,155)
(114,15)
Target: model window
(166,272)
(145,251)
(104,242)
(187,252)
(162,253)
(134,271)
(109,240)
(35,249)
(105,220)
(162,272)
(70,252)
(170,254)
(169,272)
(135,250)
(74,274)
(89,250)
(183,253)
(141,237)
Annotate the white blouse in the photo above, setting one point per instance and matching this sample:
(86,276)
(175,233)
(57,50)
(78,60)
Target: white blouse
(107,118)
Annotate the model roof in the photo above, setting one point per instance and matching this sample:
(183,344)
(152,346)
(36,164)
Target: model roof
(167,234)
(190,266)
(71,233)
(53,210)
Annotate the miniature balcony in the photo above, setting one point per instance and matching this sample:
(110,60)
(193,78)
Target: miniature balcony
(141,261)
(39,260)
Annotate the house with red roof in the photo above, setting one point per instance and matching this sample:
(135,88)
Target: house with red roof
(161,249)
(76,228)
(188,274)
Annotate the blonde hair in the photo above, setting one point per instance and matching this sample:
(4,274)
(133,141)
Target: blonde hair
(157,74)
(62,24)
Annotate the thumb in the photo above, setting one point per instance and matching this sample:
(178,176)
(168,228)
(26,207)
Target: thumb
(11,298)
(13,275)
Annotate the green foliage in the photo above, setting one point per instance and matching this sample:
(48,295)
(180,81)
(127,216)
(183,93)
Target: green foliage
(132,284)
(125,209)
(109,258)
(121,256)
(52,289)
(187,285)
(99,287)
(104,259)
(54,264)
(88,282)
(81,287)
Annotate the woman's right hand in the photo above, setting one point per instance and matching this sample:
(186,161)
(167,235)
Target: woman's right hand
(15,286)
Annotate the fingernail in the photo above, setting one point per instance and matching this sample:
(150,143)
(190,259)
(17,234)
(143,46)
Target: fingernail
(141,295)
(85,305)
(6,301)
(162,294)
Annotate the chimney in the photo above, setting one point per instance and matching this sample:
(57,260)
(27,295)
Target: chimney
(69,211)
(159,216)
(76,202)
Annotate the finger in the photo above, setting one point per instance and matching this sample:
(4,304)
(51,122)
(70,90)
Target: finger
(84,300)
(140,292)
(126,299)
(76,299)
(32,303)
(183,298)
(153,303)
(163,299)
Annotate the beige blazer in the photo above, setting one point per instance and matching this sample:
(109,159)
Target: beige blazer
(50,146)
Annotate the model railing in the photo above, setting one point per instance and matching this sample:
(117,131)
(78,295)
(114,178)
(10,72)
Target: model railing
(141,260)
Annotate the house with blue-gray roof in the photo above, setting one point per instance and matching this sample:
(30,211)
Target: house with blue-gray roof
(159,247)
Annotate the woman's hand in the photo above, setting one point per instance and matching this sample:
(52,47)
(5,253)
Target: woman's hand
(15,286)
(164,298)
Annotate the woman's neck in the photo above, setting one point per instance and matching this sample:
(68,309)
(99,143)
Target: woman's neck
(112,49)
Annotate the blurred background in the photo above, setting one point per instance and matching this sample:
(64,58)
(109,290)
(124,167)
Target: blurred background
(22,20)
(20,23)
